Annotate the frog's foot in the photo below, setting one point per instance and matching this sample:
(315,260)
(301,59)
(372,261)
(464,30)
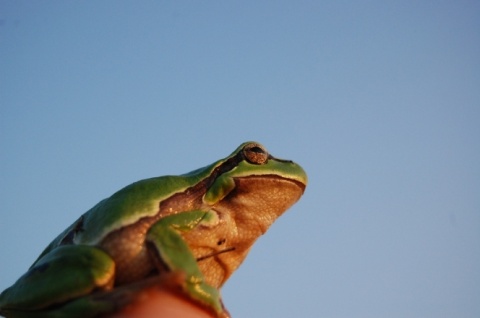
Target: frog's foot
(206,295)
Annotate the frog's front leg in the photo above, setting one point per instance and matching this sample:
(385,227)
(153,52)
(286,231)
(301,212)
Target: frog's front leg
(172,253)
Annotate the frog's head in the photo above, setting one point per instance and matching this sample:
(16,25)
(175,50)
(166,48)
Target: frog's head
(255,184)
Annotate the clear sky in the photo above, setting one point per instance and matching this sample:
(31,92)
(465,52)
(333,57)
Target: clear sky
(379,101)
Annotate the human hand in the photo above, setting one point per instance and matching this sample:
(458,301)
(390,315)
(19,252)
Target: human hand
(162,300)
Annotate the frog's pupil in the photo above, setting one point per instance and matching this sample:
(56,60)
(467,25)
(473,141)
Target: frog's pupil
(257,149)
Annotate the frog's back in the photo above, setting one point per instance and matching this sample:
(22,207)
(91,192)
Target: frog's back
(138,200)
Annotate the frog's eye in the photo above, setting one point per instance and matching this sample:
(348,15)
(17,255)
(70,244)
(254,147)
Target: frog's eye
(255,153)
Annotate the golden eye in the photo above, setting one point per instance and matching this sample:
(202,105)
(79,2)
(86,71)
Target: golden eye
(255,153)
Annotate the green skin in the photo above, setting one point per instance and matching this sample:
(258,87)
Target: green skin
(200,224)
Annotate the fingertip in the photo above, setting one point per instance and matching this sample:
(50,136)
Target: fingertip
(160,301)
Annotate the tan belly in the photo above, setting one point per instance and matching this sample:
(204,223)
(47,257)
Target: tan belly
(127,248)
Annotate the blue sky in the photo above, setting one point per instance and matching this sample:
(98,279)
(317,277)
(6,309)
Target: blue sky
(379,101)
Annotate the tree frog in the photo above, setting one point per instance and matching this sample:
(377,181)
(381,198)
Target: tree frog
(201,224)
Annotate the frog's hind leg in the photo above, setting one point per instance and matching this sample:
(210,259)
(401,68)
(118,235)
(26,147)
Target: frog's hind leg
(65,273)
